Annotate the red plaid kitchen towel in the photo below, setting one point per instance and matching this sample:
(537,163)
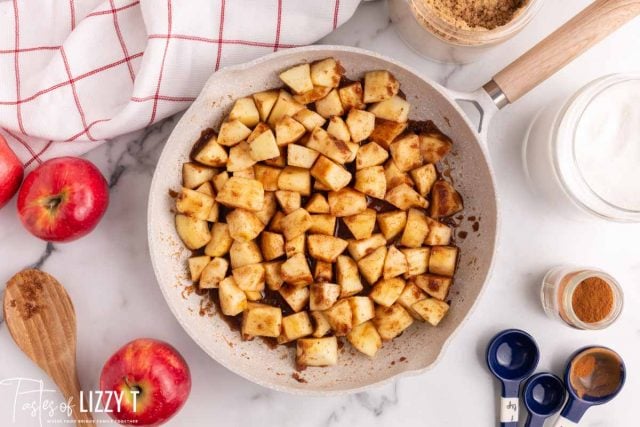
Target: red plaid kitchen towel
(75,73)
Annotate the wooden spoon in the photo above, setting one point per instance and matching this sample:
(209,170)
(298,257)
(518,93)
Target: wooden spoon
(42,322)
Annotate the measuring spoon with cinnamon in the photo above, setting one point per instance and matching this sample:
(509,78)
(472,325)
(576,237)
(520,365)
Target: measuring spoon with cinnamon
(42,321)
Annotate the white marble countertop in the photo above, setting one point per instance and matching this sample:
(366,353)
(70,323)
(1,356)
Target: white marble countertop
(109,276)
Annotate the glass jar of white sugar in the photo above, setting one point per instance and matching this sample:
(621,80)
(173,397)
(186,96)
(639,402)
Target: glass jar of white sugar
(583,154)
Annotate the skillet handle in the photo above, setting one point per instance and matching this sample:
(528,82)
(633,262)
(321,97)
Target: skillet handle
(575,37)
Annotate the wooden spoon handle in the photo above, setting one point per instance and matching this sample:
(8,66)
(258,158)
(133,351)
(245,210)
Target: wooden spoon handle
(67,381)
(575,37)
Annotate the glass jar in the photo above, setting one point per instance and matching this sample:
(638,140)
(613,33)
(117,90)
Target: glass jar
(431,36)
(559,286)
(554,143)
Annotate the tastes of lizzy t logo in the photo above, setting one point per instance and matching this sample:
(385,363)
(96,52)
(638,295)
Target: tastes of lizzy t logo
(32,398)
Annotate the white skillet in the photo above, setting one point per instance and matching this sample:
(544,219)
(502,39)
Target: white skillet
(421,346)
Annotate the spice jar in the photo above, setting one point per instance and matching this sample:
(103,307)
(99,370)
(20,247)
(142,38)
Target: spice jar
(459,31)
(581,297)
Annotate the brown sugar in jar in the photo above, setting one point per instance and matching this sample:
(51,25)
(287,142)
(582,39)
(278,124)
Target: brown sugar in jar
(582,298)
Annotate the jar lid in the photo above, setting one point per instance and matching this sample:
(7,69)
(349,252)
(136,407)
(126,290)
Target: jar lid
(598,147)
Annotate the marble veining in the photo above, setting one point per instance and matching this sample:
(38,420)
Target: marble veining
(110,279)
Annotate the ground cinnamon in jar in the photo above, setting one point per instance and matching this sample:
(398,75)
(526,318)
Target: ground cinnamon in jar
(592,300)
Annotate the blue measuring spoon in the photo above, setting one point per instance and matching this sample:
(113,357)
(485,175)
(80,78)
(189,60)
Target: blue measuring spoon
(543,396)
(512,356)
(608,361)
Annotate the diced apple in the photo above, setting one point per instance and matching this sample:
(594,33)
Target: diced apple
(371,265)
(439,233)
(249,277)
(379,86)
(361,248)
(443,260)
(296,245)
(272,245)
(210,153)
(330,105)
(418,260)
(213,273)
(325,248)
(445,200)
(244,225)
(264,102)
(272,275)
(365,339)
(233,300)
(347,202)
(424,177)
(347,276)
(326,72)
(296,272)
(288,131)
(371,154)
(301,157)
(317,351)
(194,175)
(385,292)
(351,96)
(434,146)
(242,193)
(434,285)
(297,297)
(193,232)
(332,175)
(329,145)
(371,181)
(232,132)
(405,152)
(323,224)
(268,207)
(196,265)
(220,242)
(338,129)
(244,253)
(395,264)
(244,109)
(323,296)
(386,131)
(295,326)
(394,108)
(321,326)
(340,317)
(289,201)
(309,119)
(285,106)
(220,180)
(409,296)
(268,176)
(261,320)
(404,197)
(362,309)
(298,78)
(416,230)
(392,223)
(194,203)
(391,321)
(395,176)
(431,310)
(361,225)
(240,158)
(361,124)
(296,223)
(295,179)
(264,147)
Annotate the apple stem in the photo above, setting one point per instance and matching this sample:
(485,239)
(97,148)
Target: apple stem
(132,387)
(53,202)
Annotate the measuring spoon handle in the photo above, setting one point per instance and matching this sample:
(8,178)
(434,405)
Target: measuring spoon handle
(535,421)
(510,404)
(572,413)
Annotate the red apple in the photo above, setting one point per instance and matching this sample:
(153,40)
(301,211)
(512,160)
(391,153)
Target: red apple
(63,199)
(11,172)
(156,371)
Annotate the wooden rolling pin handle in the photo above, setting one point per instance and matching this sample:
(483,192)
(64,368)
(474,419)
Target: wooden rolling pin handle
(575,37)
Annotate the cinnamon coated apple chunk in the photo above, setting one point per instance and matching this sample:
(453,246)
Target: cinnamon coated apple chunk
(316,213)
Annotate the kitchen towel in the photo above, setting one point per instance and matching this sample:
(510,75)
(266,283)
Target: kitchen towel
(75,73)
